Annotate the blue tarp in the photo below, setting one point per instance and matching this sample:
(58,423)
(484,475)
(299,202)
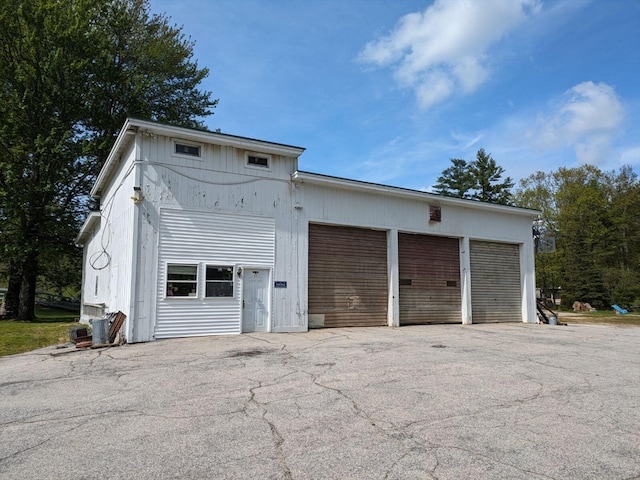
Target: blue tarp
(619,310)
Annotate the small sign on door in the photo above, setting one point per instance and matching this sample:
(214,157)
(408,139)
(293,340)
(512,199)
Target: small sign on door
(280,284)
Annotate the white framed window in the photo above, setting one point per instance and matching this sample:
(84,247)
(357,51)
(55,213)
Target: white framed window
(182,280)
(258,160)
(182,148)
(219,281)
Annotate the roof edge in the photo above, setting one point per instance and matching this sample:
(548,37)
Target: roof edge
(89,223)
(359,185)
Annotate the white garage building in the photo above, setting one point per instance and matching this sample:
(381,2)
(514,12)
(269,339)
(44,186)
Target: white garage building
(203,233)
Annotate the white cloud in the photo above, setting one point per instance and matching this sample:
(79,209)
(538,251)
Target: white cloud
(630,156)
(587,120)
(444,48)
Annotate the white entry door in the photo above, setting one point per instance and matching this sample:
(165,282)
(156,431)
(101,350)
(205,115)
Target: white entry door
(255,304)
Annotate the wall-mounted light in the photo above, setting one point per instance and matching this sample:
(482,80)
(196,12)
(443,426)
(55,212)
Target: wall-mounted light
(137,195)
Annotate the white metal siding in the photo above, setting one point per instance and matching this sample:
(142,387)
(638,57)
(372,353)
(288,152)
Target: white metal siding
(108,251)
(495,282)
(215,239)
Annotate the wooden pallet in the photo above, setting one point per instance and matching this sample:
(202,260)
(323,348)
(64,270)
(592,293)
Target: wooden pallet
(116,320)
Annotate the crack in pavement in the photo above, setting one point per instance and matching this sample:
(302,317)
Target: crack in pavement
(496,461)
(335,386)
(277,437)
(44,441)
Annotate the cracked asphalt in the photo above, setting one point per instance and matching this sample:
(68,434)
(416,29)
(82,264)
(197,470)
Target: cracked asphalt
(496,401)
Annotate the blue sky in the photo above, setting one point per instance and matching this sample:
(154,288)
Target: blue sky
(387,91)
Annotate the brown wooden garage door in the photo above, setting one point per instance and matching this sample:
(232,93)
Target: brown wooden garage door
(495,282)
(347,276)
(429,279)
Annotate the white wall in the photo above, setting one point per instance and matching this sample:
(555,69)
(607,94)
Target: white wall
(361,208)
(204,185)
(108,252)
(203,238)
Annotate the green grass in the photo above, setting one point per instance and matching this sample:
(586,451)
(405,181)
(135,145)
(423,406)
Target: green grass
(600,316)
(50,328)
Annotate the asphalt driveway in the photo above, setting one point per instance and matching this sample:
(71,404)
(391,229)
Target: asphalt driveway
(438,401)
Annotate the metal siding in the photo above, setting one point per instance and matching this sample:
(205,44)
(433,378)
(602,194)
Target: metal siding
(495,282)
(205,238)
(432,265)
(348,280)
(109,248)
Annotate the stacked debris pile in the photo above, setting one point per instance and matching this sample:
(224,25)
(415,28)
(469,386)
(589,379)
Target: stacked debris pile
(113,322)
(546,315)
(582,307)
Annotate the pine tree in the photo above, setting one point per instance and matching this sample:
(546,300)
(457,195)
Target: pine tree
(478,180)
(455,181)
(487,175)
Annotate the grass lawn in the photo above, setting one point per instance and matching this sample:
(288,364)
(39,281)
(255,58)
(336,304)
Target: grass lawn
(50,328)
(608,317)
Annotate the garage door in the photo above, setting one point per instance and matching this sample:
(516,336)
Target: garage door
(429,279)
(495,282)
(347,276)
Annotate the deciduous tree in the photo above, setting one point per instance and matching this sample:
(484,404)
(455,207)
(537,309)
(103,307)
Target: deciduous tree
(71,73)
(595,218)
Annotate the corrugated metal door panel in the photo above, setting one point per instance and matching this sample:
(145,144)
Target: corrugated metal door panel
(196,318)
(495,282)
(429,268)
(206,238)
(192,234)
(348,275)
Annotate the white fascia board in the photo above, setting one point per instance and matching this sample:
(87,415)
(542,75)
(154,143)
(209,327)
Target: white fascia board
(366,187)
(128,130)
(87,226)
(216,138)
(133,126)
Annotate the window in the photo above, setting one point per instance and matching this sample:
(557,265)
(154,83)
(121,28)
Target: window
(186,149)
(182,280)
(219,281)
(258,160)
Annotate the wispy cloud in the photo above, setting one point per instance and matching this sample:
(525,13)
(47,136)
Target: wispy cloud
(587,120)
(467,140)
(444,49)
(402,160)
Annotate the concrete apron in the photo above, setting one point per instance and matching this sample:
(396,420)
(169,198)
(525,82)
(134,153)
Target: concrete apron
(437,401)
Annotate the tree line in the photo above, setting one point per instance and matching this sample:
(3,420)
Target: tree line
(593,218)
(71,72)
